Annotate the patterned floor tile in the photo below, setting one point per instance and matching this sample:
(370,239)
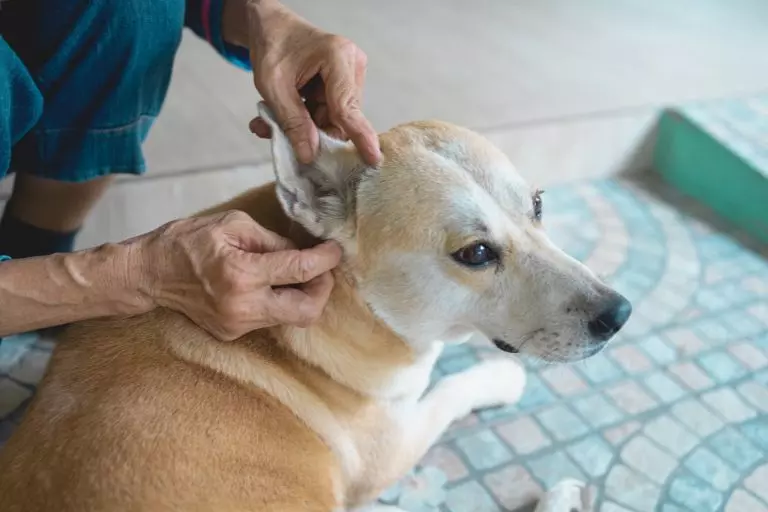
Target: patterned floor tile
(483,449)
(513,487)
(735,449)
(597,411)
(592,454)
(641,454)
(695,494)
(524,435)
(562,423)
(705,464)
(672,417)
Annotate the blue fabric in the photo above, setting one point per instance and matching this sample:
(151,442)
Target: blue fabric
(21,104)
(100,70)
(81,82)
(212,31)
(19,239)
(3,257)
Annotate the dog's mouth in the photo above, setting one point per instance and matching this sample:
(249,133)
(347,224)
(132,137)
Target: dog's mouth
(506,347)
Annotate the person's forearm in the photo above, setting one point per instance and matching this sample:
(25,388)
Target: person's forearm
(243,17)
(63,288)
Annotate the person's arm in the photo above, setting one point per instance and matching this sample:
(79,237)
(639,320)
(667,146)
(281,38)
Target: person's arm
(206,19)
(63,288)
(224,271)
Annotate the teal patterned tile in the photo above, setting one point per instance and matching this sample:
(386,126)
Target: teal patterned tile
(669,434)
(757,432)
(512,487)
(712,469)
(696,417)
(562,423)
(524,435)
(728,405)
(695,494)
(713,330)
(630,488)
(597,411)
(631,397)
(742,324)
(592,454)
(536,394)
(483,449)
(600,370)
(646,457)
(469,496)
(658,350)
(554,467)
(736,449)
(721,366)
(663,387)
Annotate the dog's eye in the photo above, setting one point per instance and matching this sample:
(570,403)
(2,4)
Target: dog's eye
(475,255)
(537,205)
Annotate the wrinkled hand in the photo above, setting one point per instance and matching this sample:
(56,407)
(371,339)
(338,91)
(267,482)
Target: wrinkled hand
(230,275)
(292,60)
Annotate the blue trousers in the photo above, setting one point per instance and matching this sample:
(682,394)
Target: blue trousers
(81,81)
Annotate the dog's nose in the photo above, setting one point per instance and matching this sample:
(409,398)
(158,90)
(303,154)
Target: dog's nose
(610,319)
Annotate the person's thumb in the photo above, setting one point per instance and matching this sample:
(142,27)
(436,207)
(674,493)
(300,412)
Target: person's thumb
(295,121)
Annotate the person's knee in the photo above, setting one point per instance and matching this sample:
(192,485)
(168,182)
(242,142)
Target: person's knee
(104,79)
(144,29)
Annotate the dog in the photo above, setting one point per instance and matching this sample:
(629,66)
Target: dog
(441,241)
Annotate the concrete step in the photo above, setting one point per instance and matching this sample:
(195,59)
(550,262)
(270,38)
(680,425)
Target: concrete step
(717,152)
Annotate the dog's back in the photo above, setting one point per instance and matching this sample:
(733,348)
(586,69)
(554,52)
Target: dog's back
(120,423)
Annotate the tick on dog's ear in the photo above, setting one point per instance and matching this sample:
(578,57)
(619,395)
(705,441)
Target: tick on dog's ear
(320,195)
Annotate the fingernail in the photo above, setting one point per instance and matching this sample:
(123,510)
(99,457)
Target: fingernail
(305,152)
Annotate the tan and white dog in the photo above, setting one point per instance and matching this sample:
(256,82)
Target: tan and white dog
(441,241)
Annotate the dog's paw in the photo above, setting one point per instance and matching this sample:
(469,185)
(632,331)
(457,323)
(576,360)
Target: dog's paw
(566,496)
(496,382)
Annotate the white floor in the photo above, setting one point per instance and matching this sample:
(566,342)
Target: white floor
(568,89)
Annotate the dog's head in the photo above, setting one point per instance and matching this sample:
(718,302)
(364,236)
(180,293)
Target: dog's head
(444,239)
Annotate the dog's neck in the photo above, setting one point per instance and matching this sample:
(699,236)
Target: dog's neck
(353,346)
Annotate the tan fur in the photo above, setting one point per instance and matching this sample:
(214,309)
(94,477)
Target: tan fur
(152,414)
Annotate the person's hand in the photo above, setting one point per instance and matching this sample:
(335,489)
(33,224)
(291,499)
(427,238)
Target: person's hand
(230,275)
(292,60)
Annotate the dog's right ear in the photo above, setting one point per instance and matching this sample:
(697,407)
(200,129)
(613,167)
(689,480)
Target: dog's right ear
(320,196)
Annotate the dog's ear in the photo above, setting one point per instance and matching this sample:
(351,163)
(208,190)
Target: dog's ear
(320,196)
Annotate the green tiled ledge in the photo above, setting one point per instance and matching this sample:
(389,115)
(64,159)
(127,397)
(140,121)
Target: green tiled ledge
(717,152)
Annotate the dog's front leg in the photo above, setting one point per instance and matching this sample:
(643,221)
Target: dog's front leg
(488,384)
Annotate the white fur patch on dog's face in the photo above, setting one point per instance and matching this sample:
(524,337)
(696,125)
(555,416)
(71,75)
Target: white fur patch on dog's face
(445,240)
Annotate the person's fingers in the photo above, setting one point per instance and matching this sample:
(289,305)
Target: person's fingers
(295,267)
(343,95)
(320,115)
(301,306)
(246,234)
(294,119)
(260,128)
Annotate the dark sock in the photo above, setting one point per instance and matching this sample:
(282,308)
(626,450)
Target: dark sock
(21,240)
